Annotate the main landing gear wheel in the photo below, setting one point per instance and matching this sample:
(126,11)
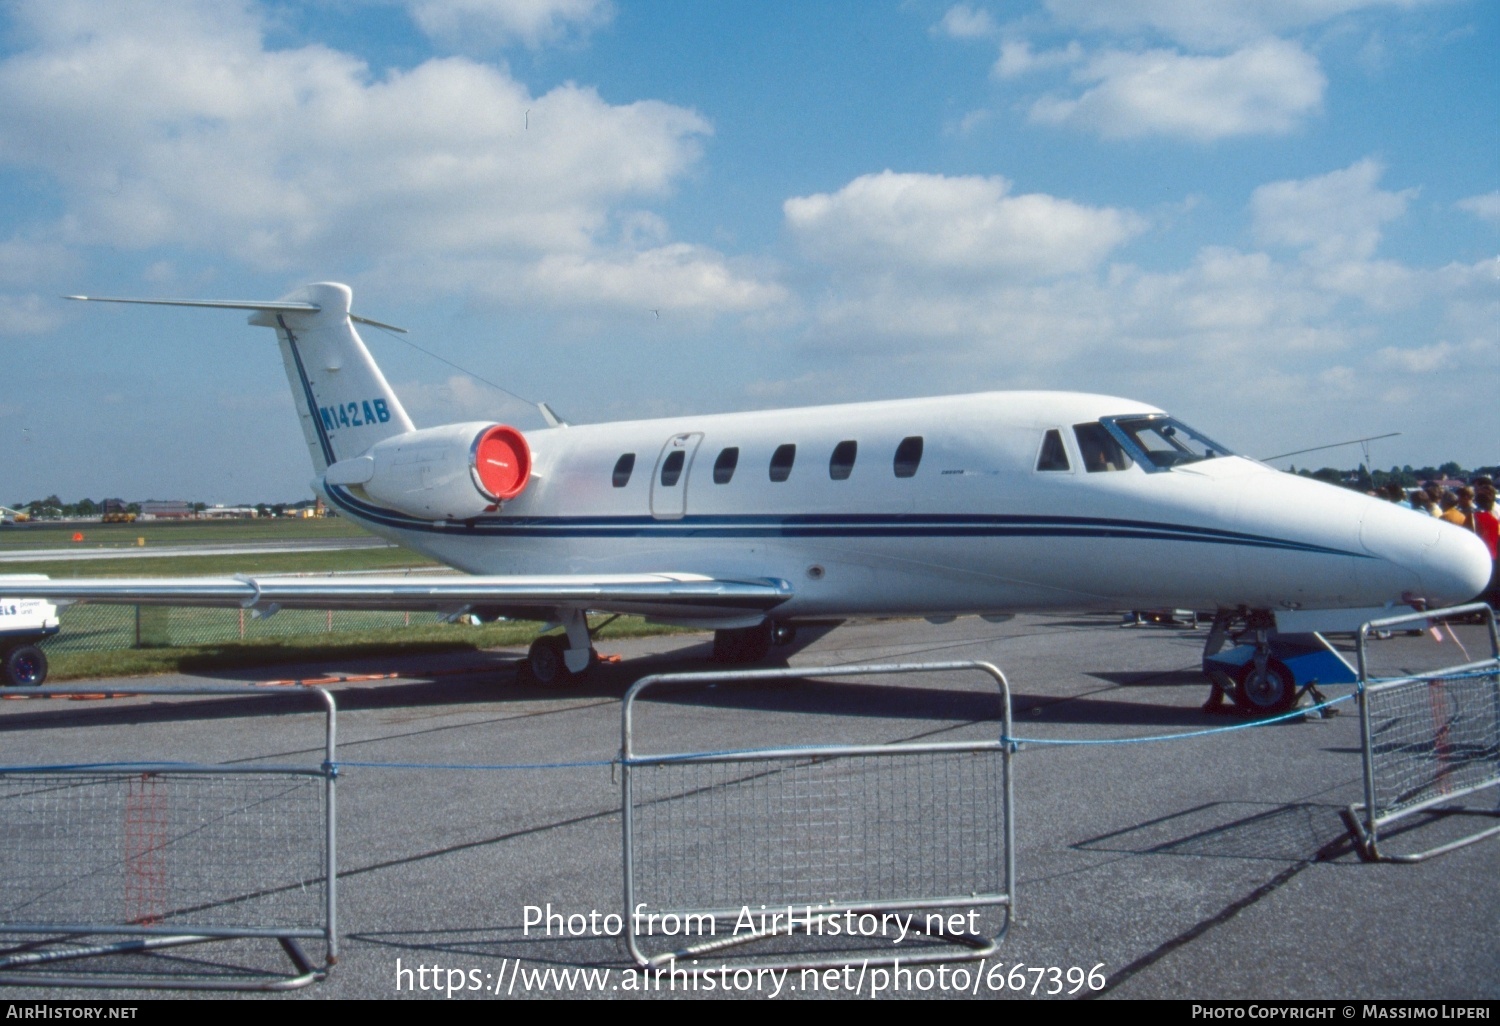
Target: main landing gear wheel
(743,644)
(24,667)
(1265,695)
(546,662)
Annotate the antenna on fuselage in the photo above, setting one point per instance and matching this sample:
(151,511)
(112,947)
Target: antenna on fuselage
(552,419)
(1363,443)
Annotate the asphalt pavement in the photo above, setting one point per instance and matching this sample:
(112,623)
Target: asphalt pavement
(1215,865)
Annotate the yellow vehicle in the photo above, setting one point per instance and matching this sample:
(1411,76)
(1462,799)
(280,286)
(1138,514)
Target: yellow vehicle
(116,512)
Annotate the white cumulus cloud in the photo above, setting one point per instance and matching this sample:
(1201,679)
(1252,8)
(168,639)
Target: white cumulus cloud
(672,277)
(465,24)
(1417,360)
(1486,207)
(1018,58)
(1210,24)
(928,223)
(307,157)
(962,21)
(1266,88)
(27,314)
(1332,217)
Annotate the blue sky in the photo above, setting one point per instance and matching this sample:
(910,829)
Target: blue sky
(1279,220)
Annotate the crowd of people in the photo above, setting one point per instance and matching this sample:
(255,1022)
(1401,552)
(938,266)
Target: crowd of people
(1470,506)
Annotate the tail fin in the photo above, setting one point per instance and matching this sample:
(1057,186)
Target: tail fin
(345,403)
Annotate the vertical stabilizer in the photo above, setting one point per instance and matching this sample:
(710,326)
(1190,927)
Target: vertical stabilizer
(345,403)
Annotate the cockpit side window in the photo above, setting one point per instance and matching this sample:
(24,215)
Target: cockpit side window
(1164,442)
(1053,456)
(1099,449)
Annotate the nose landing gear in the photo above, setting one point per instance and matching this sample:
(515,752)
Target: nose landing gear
(744,644)
(1265,688)
(1267,673)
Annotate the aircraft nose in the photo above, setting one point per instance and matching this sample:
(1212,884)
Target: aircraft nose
(1450,565)
(1455,569)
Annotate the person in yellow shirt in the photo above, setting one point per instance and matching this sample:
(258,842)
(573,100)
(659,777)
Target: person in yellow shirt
(1459,509)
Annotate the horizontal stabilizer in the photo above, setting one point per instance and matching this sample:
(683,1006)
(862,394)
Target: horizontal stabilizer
(276,306)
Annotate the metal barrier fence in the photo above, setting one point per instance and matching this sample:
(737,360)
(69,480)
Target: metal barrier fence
(1429,738)
(831,841)
(98,628)
(159,855)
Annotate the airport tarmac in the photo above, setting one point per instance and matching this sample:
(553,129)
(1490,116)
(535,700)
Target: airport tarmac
(1211,867)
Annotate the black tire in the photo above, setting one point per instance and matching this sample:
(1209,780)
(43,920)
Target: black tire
(545,663)
(1275,694)
(25,667)
(743,644)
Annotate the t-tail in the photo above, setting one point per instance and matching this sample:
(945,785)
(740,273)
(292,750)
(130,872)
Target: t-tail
(364,448)
(345,403)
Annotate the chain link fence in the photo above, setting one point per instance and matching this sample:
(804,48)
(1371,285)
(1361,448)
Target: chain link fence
(1430,737)
(109,859)
(808,853)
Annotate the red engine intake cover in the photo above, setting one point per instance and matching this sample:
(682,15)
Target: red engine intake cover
(502,462)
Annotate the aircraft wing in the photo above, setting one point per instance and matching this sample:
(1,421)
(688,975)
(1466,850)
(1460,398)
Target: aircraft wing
(664,594)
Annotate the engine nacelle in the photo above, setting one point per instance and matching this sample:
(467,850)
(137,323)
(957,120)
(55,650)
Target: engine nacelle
(451,472)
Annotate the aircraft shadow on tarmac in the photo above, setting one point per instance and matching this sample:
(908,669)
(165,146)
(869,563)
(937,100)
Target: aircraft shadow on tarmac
(1127,679)
(493,676)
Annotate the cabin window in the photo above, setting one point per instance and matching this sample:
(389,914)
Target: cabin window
(623,466)
(725,464)
(781,462)
(1053,455)
(841,463)
(671,467)
(1099,449)
(909,456)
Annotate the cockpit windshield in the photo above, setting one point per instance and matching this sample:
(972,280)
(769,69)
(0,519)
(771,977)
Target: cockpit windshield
(1160,442)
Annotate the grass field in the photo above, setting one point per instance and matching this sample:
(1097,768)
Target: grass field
(55,534)
(414,640)
(319,562)
(187,533)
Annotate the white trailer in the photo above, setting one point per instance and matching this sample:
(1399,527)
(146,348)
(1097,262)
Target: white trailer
(23,623)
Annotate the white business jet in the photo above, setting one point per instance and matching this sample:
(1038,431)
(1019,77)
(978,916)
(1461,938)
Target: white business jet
(750,523)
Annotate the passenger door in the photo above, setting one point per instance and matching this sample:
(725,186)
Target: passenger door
(669,478)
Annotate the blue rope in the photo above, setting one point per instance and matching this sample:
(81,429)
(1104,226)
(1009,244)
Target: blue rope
(1174,737)
(1465,675)
(76,766)
(1012,741)
(476,766)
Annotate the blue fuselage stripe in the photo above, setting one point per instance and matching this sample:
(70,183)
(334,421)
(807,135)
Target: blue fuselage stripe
(831,526)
